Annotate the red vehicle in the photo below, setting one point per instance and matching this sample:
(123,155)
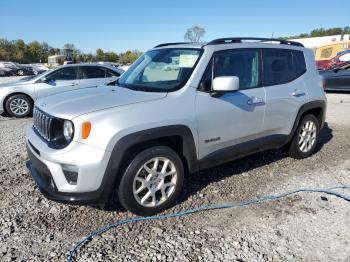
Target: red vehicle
(341,58)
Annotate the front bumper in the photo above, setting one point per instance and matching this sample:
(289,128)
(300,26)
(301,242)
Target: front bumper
(47,187)
(45,166)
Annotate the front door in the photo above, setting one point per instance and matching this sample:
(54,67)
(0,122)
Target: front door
(60,80)
(232,118)
(340,79)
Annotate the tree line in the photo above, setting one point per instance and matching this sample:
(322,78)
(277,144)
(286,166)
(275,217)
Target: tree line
(321,32)
(36,52)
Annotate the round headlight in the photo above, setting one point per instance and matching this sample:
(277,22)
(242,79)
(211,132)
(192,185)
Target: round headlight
(68,130)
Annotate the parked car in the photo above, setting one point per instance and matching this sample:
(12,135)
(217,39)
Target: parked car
(226,99)
(4,71)
(337,78)
(18,98)
(7,64)
(39,68)
(24,70)
(20,70)
(341,58)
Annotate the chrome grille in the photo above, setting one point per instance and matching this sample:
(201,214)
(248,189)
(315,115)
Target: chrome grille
(42,123)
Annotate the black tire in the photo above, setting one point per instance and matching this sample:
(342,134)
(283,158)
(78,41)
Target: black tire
(295,150)
(126,186)
(18,97)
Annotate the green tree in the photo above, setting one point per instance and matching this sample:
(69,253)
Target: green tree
(322,32)
(6,49)
(129,56)
(69,46)
(100,55)
(20,52)
(35,52)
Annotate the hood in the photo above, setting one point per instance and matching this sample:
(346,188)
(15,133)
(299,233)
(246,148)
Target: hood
(16,83)
(69,105)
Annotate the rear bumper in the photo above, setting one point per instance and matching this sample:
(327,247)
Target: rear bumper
(43,178)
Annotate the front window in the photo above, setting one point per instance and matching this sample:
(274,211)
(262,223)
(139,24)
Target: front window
(161,70)
(63,74)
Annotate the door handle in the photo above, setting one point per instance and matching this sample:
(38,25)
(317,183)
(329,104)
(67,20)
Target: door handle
(298,93)
(255,101)
(73,84)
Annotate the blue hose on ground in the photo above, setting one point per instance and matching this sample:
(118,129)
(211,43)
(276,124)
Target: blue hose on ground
(331,191)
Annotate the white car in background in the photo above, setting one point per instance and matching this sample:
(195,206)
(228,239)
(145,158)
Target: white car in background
(17,98)
(39,68)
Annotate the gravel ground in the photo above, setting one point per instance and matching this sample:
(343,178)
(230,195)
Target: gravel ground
(302,227)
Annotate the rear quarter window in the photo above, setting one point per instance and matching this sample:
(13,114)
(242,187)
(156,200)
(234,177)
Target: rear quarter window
(282,66)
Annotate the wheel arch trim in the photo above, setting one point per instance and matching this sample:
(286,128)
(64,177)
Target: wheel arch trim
(317,104)
(112,173)
(15,93)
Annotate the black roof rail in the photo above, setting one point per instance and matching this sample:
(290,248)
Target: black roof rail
(229,40)
(176,43)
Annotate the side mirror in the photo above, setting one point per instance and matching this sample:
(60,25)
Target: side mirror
(225,84)
(44,80)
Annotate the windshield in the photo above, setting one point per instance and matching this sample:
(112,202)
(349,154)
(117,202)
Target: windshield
(161,70)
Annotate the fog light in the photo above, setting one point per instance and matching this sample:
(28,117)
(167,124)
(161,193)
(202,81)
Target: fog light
(71,173)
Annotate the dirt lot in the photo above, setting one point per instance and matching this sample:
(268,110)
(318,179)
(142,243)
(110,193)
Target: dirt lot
(301,227)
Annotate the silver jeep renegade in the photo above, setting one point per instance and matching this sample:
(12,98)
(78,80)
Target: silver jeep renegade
(180,108)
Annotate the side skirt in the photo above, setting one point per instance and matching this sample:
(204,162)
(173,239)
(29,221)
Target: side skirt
(241,150)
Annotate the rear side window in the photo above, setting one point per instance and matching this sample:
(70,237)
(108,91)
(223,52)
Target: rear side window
(282,66)
(88,72)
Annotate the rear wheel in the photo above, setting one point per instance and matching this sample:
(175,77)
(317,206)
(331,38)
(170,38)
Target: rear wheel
(305,138)
(19,105)
(152,181)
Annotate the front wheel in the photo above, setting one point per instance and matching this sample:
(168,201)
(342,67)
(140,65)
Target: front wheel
(19,106)
(305,138)
(152,181)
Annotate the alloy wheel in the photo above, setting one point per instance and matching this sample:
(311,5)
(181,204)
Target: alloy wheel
(155,182)
(307,136)
(19,106)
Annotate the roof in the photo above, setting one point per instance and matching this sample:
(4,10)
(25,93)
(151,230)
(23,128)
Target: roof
(95,64)
(230,40)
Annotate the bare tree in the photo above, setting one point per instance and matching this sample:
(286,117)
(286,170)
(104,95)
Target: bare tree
(194,34)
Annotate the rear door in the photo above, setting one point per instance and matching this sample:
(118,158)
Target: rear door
(92,76)
(61,80)
(285,89)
